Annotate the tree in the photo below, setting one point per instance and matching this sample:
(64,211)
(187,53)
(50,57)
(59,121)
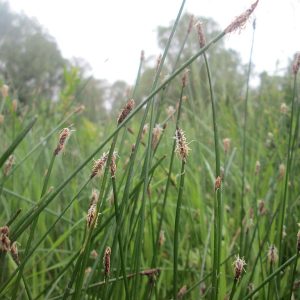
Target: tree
(30,61)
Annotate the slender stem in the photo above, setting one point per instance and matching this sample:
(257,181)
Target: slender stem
(218,198)
(242,212)
(288,167)
(118,221)
(176,230)
(233,289)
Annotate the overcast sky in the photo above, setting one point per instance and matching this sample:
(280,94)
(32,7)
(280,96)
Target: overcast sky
(109,35)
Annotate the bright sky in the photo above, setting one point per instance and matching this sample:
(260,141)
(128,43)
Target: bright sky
(109,35)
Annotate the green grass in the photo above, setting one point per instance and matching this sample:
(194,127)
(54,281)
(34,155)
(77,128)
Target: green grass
(45,197)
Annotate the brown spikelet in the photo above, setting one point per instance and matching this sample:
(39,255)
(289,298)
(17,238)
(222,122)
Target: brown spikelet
(99,165)
(156,133)
(184,78)
(296,64)
(106,261)
(272,254)
(8,165)
(91,215)
(241,20)
(15,253)
(191,23)
(239,264)
(298,241)
(257,167)
(201,36)
(182,292)
(150,272)
(226,145)
(79,109)
(63,137)
(94,254)
(125,111)
(4,239)
(4,90)
(218,183)
(4,230)
(94,197)
(281,171)
(182,148)
(1,119)
(113,165)
(262,207)
(14,104)
(162,238)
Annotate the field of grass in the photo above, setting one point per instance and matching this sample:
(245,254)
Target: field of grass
(170,199)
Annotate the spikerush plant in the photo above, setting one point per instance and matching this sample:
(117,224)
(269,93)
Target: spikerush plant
(143,194)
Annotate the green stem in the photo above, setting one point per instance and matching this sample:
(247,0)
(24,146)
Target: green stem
(176,230)
(233,289)
(218,201)
(242,212)
(118,222)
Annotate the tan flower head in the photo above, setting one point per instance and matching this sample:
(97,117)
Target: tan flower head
(241,20)
(182,148)
(239,264)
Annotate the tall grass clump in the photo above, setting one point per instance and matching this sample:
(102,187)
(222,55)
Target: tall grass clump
(177,196)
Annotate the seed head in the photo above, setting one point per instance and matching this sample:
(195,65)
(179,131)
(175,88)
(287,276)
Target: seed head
(257,167)
(14,105)
(79,109)
(218,183)
(106,261)
(201,36)
(283,108)
(4,230)
(296,64)
(182,292)
(272,254)
(15,253)
(239,264)
(125,111)
(281,171)
(182,148)
(99,165)
(91,215)
(94,197)
(63,138)
(226,144)
(8,165)
(94,254)
(240,21)
(4,90)
(191,24)
(162,238)
(262,207)
(4,241)
(298,241)
(184,77)
(170,111)
(156,133)
(113,165)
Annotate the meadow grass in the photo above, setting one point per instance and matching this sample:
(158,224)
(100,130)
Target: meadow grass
(188,203)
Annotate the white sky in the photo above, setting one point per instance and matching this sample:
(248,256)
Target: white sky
(109,34)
